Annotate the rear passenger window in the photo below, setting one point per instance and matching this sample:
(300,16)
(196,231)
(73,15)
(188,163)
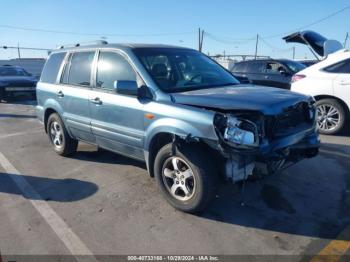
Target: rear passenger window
(113,67)
(51,68)
(240,68)
(77,70)
(254,67)
(341,67)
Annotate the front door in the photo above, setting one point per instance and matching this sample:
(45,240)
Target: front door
(341,82)
(273,76)
(116,120)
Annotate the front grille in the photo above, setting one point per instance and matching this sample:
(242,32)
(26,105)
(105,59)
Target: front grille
(298,117)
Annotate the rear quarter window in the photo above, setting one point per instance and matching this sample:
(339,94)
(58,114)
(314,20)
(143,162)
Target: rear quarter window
(255,67)
(340,67)
(51,68)
(239,68)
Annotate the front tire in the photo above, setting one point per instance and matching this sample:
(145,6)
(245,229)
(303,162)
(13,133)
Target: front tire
(331,116)
(186,179)
(62,143)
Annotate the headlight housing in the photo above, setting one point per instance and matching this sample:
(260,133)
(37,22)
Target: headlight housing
(239,132)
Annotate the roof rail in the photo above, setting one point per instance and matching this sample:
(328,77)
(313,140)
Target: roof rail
(97,42)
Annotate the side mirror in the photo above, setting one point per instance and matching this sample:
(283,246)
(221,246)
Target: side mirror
(126,87)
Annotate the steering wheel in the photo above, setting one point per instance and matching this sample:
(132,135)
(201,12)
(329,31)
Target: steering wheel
(194,77)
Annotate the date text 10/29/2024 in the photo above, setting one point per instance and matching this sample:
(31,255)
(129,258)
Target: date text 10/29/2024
(173,258)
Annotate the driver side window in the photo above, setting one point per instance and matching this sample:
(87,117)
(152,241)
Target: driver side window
(273,68)
(113,67)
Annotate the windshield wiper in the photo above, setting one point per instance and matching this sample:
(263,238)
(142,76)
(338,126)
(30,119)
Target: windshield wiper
(192,88)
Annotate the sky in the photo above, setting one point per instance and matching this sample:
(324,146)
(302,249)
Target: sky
(230,26)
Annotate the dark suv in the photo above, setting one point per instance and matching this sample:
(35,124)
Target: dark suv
(270,72)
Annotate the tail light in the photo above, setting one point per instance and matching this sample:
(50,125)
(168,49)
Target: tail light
(296,78)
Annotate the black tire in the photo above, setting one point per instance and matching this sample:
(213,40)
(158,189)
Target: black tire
(326,103)
(203,172)
(3,96)
(33,96)
(67,145)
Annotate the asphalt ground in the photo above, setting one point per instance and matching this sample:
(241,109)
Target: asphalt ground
(100,203)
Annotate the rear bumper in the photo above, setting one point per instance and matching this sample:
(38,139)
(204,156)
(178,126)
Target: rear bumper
(40,113)
(13,89)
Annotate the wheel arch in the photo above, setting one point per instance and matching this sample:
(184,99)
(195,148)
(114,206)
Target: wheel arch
(48,112)
(345,106)
(163,138)
(51,106)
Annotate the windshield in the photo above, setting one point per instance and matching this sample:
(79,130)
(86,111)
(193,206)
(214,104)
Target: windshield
(295,67)
(178,70)
(13,71)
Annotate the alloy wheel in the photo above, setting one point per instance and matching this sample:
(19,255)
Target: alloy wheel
(328,117)
(56,134)
(178,178)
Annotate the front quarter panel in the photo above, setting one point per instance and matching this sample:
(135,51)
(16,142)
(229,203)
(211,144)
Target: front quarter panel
(179,120)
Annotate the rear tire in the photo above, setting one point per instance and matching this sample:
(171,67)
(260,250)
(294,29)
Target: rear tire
(3,95)
(331,116)
(189,186)
(62,143)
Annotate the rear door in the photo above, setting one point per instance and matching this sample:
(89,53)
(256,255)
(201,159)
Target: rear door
(117,120)
(74,94)
(254,72)
(341,83)
(273,76)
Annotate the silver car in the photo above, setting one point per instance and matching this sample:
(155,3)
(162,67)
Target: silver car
(175,109)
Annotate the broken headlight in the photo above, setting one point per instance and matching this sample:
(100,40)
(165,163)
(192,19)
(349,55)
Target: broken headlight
(238,131)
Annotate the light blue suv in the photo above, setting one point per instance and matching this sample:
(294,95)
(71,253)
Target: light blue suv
(175,109)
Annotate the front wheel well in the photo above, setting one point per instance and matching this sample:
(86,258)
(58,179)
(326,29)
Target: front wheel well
(162,139)
(48,113)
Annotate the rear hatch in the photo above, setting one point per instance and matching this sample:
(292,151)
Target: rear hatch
(318,43)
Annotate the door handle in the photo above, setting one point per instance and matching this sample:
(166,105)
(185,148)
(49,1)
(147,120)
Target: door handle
(60,93)
(344,83)
(96,101)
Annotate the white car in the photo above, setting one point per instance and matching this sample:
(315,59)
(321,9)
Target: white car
(327,81)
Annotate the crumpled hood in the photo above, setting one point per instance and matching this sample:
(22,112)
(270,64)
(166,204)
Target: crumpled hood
(268,100)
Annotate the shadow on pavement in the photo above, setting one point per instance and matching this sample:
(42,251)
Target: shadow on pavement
(49,189)
(107,157)
(16,116)
(311,199)
(22,99)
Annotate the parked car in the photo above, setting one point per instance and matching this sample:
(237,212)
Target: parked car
(178,111)
(269,72)
(242,79)
(14,79)
(328,81)
(308,63)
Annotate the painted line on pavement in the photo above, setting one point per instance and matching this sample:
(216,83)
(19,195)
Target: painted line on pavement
(62,230)
(21,133)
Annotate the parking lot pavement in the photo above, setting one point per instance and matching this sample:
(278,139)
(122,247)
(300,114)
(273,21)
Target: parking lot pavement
(109,205)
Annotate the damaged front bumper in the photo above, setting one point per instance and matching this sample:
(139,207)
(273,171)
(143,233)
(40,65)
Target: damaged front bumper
(269,157)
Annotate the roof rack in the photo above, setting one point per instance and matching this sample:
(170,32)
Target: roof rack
(97,42)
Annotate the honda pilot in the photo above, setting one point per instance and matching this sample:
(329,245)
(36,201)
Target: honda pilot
(178,111)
